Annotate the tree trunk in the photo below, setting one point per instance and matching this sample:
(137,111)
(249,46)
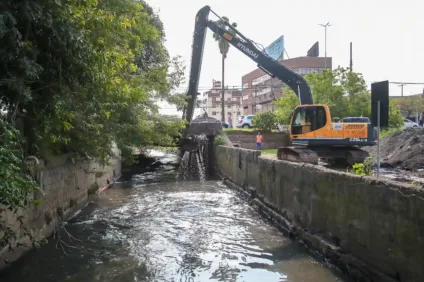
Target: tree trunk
(223,90)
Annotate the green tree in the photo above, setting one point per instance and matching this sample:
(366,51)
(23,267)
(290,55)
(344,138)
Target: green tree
(265,121)
(343,91)
(77,76)
(224,47)
(410,105)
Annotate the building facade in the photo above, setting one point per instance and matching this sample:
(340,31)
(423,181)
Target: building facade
(260,90)
(211,102)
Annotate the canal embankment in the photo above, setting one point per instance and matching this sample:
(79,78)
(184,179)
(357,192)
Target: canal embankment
(372,229)
(65,186)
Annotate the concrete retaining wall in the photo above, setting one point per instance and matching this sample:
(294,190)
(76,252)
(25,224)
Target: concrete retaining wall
(67,185)
(247,139)
(373,230)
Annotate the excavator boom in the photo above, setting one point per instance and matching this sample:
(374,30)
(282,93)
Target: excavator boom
(296,82)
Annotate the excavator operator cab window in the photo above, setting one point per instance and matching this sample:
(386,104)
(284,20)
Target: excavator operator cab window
(307,119)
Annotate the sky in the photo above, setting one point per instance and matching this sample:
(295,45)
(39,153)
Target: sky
(387,36)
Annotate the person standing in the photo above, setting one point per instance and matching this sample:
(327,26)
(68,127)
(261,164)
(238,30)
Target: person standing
(230,121)
(259,140)
(422,120)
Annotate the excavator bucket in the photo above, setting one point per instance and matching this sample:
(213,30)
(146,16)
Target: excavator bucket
(299,155)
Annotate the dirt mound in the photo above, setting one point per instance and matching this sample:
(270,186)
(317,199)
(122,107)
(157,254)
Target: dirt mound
(403,149)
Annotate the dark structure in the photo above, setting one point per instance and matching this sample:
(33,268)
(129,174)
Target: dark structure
(380,92)
(199,141)
(314,50)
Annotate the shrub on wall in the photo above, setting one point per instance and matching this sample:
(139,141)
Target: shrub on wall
(220,140)
(265,121)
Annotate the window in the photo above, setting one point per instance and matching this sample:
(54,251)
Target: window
(214,113)
(264,91)
(246,85)
(307,119)
(246,97)
(261,79)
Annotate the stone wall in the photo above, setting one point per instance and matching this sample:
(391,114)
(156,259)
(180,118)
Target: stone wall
(247,139)
(67,185)
(371,229)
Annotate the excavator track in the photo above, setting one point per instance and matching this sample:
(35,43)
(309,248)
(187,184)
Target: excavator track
(350,155)
(299,155)
(355,155)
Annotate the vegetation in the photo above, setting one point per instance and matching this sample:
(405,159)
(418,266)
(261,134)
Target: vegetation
(388,131)
(219,140)
(224,46)
(269,152)
(265,121)
(343,91)
(365,168)
(410,105)
(78,76)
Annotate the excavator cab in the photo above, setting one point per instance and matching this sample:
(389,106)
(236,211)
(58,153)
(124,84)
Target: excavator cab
(307,119)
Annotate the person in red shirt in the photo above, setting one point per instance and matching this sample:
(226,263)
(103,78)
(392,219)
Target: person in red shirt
(259,140)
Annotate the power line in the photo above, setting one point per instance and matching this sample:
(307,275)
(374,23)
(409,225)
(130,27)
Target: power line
(239,87)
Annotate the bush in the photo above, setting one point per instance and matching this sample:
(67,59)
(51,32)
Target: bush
(365,168)
(265,121)
(220,140)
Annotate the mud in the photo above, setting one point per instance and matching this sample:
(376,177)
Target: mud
(402,150)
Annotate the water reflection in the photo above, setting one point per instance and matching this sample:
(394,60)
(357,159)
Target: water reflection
(167,231)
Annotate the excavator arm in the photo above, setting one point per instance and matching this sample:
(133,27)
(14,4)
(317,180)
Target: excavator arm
(296,82)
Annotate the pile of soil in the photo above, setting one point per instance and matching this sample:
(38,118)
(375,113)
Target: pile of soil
(403,149)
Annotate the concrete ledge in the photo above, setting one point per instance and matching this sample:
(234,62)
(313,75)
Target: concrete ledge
(317,245)
(372,229)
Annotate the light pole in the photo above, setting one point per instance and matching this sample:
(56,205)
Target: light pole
(325,42)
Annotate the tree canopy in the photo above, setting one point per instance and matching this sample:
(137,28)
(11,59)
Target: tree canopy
(343,91)
(81,74)
(77,76)
(410,104)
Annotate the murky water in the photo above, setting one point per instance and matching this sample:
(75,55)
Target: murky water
(153,229)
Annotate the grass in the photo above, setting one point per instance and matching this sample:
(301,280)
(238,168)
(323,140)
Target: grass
(385,132)
(269,151)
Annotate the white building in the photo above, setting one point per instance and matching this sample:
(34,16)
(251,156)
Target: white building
(211,102)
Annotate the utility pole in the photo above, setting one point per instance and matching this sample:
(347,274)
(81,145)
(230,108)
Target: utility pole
(401,88)
(351,61)
(256,95)
(325,42)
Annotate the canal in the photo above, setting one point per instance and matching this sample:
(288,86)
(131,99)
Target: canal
(152,228)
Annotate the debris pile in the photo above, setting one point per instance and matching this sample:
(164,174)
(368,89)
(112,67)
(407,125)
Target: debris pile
(403,149)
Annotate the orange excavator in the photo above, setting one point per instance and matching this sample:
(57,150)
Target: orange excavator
(312,132)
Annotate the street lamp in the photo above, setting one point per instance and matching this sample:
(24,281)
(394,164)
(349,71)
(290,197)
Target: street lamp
(325,42)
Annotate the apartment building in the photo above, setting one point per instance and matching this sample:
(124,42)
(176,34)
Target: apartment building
(260,89)
(211,102)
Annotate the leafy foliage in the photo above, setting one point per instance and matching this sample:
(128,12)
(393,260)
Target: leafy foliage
(81,74)
(77,76)
(365,168)
(223,44)
(343,91)
(265,121)
(409,105)
(15,183)
(219,140)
